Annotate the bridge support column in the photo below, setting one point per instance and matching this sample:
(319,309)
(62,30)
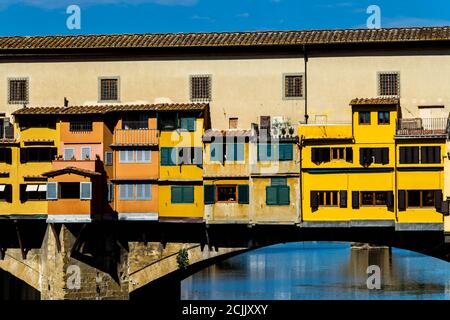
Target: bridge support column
(95,273)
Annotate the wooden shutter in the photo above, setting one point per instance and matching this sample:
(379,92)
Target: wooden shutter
(283,195)
(405,154)
(23,194)
(8,156)
(188,194)
(415,154)
(8,191)
(165,156)
(209,191)
(314,199)
(389,199)
(271,195)
(343,199)
(285,152)
(326,155)
(314,155)
(23,155)
(436,154)
(385,155)
(176,194)
(401,200)
(445,208)
(363,156)
(355,199)
(349,154)
(424,154)
(243,194)
(438,200)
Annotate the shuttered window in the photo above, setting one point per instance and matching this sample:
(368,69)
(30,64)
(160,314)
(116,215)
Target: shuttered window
(409,155)
(285,151)
(209,194)
(52,190)
(168,156)
(355,199)
(277,195)
(369,156)
(234,151)
(266,152)
(182,194)
(319,155)
(343,199)
(243,194)
(216,152)
(6,155)
(187,124)
(422,198)
(430,154)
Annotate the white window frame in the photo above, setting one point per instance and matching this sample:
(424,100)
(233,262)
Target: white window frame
(142,152)
(56,190)
(81,153)
(90,190)
(126,197)
(126,152)
(106,158)
(144,197)
(73,153)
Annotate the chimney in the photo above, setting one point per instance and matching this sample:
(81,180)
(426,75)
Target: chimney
(66,102)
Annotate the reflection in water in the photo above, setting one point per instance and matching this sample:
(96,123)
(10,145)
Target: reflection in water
(320,271)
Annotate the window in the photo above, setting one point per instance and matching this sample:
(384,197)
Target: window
(273,152)
(420,198)
(364,117)
(110,192)
(135,121)
(69,154)
(216,152)
(37,154)
(373,198)
(328,198)
(5,193)
(200,88)
(383,117)
(337,153)
(293,86)
(430,154)
(369,156)
(33,192)
(5,155)
(18,91)
(80,125)
(182,194)
(52,191)
(389,84)
(187,124)
(126,156)
(143,191)
(108,158)
(126,192)
(85,153)
(168,156)
(409,155)
(266,152)
(109,89)
(278,192)
(69,190)
(233,123)
(226,194)
(285,152)
(179,156)
(168,121)
(234,152)
(143,156)
(320,155)
(85,190)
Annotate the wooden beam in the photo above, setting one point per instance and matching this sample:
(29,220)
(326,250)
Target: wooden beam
(23,250)
(56,235)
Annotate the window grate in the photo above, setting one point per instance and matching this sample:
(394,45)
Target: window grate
(80,126)
(293,86)
(18,91)
(389,84)
(109,90)
(201,88)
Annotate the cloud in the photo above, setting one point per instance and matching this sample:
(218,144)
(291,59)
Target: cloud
(54,4)
(203,18)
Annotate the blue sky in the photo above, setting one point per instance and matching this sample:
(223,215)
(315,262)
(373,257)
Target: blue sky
(44,17)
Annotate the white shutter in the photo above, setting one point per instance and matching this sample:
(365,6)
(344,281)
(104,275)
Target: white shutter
(68,153)
(85,190)
(52,190)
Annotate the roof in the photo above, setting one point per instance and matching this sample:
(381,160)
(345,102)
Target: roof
(374,101)
(104,109)
(74,170)
(227,39)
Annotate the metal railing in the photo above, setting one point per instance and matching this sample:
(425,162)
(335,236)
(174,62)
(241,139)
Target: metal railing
(422,127)
(80,126)
(144,137)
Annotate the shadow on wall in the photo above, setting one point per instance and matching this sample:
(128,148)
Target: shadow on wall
(12,288)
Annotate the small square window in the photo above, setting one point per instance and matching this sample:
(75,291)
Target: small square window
(18,91)
(200,87)
(364,117)
(383,117)
(293,86)
(233,123)
(109,89)
(389,84)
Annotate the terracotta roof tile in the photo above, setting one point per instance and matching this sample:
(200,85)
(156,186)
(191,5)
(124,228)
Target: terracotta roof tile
(74,170)
(104,109)
(375,101)
(256,38)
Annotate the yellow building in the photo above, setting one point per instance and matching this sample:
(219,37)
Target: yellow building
(181,159)
(352,174)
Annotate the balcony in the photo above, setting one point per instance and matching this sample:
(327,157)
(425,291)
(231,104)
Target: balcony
(422,128)
(136,137)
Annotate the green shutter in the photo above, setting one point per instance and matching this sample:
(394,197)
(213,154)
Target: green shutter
(168,156)
(283,195)
(243,194)
(271,196)
(285,152)
(176,194)
(209,193)
(216,152)
(187,124)
(187,194)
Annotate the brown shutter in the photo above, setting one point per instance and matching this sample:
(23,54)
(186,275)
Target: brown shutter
(415,154)
(438,200)
(355,199)
(314,200)
(405,155)
(401,200)
(343,199)
(349,154)
(389,199)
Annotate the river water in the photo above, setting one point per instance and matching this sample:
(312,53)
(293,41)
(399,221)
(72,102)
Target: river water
(320,270)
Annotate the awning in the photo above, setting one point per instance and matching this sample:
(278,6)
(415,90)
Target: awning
(42,188)
(2,187)
(31,187)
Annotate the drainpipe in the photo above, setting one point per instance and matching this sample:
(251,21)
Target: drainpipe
(305,58)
